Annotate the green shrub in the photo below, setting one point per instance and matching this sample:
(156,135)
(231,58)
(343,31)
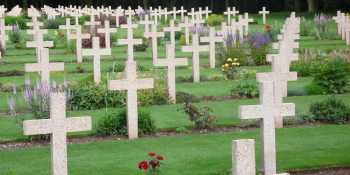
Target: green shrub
(216,77)
(303,70)
(142,47)
(182,97)
(307,117)
(178,34)
(214,20)
(247,74)
(117,68)
(15,35)
(249,123)
(182,130)
(182,79)
(115,123)
(54,23)
(292,120)
(11,20)
(229,68)
(315,89)
(331,110)
(247,89)
(297,92)
(201,118)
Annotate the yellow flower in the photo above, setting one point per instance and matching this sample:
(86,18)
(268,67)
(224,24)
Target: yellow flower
(226,65)
(237,64)
(223,69)
(235,59)
(230,59)
(73,31)
(223,65)
(56,33)
(347,14)
(81,26)
(233,64)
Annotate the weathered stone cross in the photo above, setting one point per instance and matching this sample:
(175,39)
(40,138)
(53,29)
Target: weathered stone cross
(174,12)
(154,34)
(186,25)
(263,12)
(182,11)
(195,49)
(67,27)
(3,36)
(229,13)
(245,22)
(39,42)
(192,13)
(337,20)
(129,40)
(78,36)
(165,13)
(207,11)
(44,66)
(198,20)
(212,39)
(2,11)
(96,52)
(156,14)
(58,126)
(117,13)
(344,24)
(129,12)
(107,32)
(146,22)
(92,22)
(172,30)
(76,14)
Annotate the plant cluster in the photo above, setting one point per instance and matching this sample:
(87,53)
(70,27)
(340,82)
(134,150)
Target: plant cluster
(153,166)
(10,73)
(201,118)
(12,20)
(273,30)
(188,79)
(247,89)
(258,45)
(261,171)
(322,29)
(142,47)
(15,35)
(304,27)
(214,20)
(54,23)
(229,68)
(183,97)
(116,123)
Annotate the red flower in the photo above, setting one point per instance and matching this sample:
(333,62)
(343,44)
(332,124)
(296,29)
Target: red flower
(62,34)
(159,157)
(158,163)
(150,162)
(151,154)
(145,166)
(268,27)
(143,163)
(150,38)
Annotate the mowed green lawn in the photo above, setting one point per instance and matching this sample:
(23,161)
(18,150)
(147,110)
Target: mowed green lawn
(303,147)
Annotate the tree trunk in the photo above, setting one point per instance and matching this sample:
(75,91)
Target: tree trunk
(311,6)
(297,6)
(226,3)
(25,4)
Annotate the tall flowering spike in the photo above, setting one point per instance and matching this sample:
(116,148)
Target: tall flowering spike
(65,82)
(54,84)
(14,88)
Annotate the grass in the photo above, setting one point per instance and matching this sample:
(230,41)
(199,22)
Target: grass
(297,147)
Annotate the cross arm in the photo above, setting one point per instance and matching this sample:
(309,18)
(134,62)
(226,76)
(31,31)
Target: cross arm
(75,124)
(56,66)
(127,41)
(146,83)
(260,111)
(166,62)
(40,126)
(32,67)
(272,76)
(186,49)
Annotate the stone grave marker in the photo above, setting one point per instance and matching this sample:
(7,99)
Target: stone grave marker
(107,31)
(129,40)
(182,11)
(174,12)
(198,20)
(154,34)
(347,35)
(58,126)
(337,20)
(156,13)
(170,61)
(200,13)
(129,12)
(207,11)
(45,67)
(3,36)
(146,22)
(138,10)
(92,22)
(192,13)
(34,14)
(78,36)
(264,12)
(344,24)
(15,11)
(2,11)
(107,12)
(117,13)
(229,13)
(195,49)
(212,39)
(224,29)
(165,13)
(237,26)
(172,30)
(39,42)
(96,52)
(76,14)
(67,27)
(186,24)
(245,22)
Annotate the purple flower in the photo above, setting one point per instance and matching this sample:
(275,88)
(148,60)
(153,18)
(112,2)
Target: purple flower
(281,162)
(14,88)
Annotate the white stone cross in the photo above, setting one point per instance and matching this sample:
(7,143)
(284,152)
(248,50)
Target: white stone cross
(76,14)
(58,126)
(78,36)
(207,11)
(263,12)
(2,11)
(117,13)
(61,10)
(107,12)
(237,26)
(198,20)
(138,10)
(200,14)
(172,30)
(344,24)
(156,14)
(224,29)
(3,36)
(186,25)
(165,13)
(195,49)
(245,22)
(107,32)
(146,22)
(174,12)
(182,11)
(67,27)
(347,33)
(129,40)
(129,12)
(96,52)
(38,42)
(192,13)
(154,34)
(131,84)
(212,39)
(44,66)
(229,13)
(171,62)
(15,11)
(243,157)
(92,22)
(337,20)
(34,14)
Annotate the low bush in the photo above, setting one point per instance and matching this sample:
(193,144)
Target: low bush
(292,120)
(288,120)
(142,47)
(54,23)
(245,89)
(178,34)
(229,68)
(331,110)
(15,35)
(183,97)
(187,79)
(13,72)
(216,77)
(214,20)
(247,74)
(307,117)
(115,123)
(249,123)
(9,87)
(201,118)
(11,20)
(116,68)
(80,69)
(297,92)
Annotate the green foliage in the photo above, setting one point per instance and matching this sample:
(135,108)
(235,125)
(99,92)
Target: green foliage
(274,31)
(182,130)
(233,51)
(182,97)
(331,110)
(54,23)
(249,123)
(333,76)
(13,72)
(71,46)
(2,50)
(247,74)
(229,68)
(303,70)
(297,92)
(116,68)
(315,89)
(115,123)
(201,118)
(142,47)
(15,36)
(214,20)
(178,34)
(216,77)
(80,69)
(183,79)
(307,117)
(11,20)
(292,120)
(247,89)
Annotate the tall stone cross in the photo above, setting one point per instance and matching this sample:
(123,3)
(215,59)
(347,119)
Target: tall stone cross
(165,13)
(192,13)
(243,157)
(92,22)
(337,20)
(172,30)
(207,11)
(344,24)
(107,12)
(347,35)
(39,42)
(2,11)
(76,13)
(15,11)
(200,13)
(237,26)
(129,40)
(245,22)
(154,34)
(182,11)
(138,10)
(264,12)
(58,126)
(146,22)
(3,36)
(129,12)
(195,49)
(96,52)
(117,13)
(174,12)
(171,62)
(229,13)
(78,36)
(44,66)
(67,27)
(186,24)
(224,29)
(198,20)
(212,39)
(156,14)
(107,31)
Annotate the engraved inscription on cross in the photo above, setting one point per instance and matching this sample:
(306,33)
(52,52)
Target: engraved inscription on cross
(186,24)
(131,84)
(195,49)
(78,36)
(107,31)
(129,40)
(44,66)
(229,13)
(96,52)
(58,126)
(172,30)
(171,62)
(3,36)
(264,12)
(154,34)
(212,39)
